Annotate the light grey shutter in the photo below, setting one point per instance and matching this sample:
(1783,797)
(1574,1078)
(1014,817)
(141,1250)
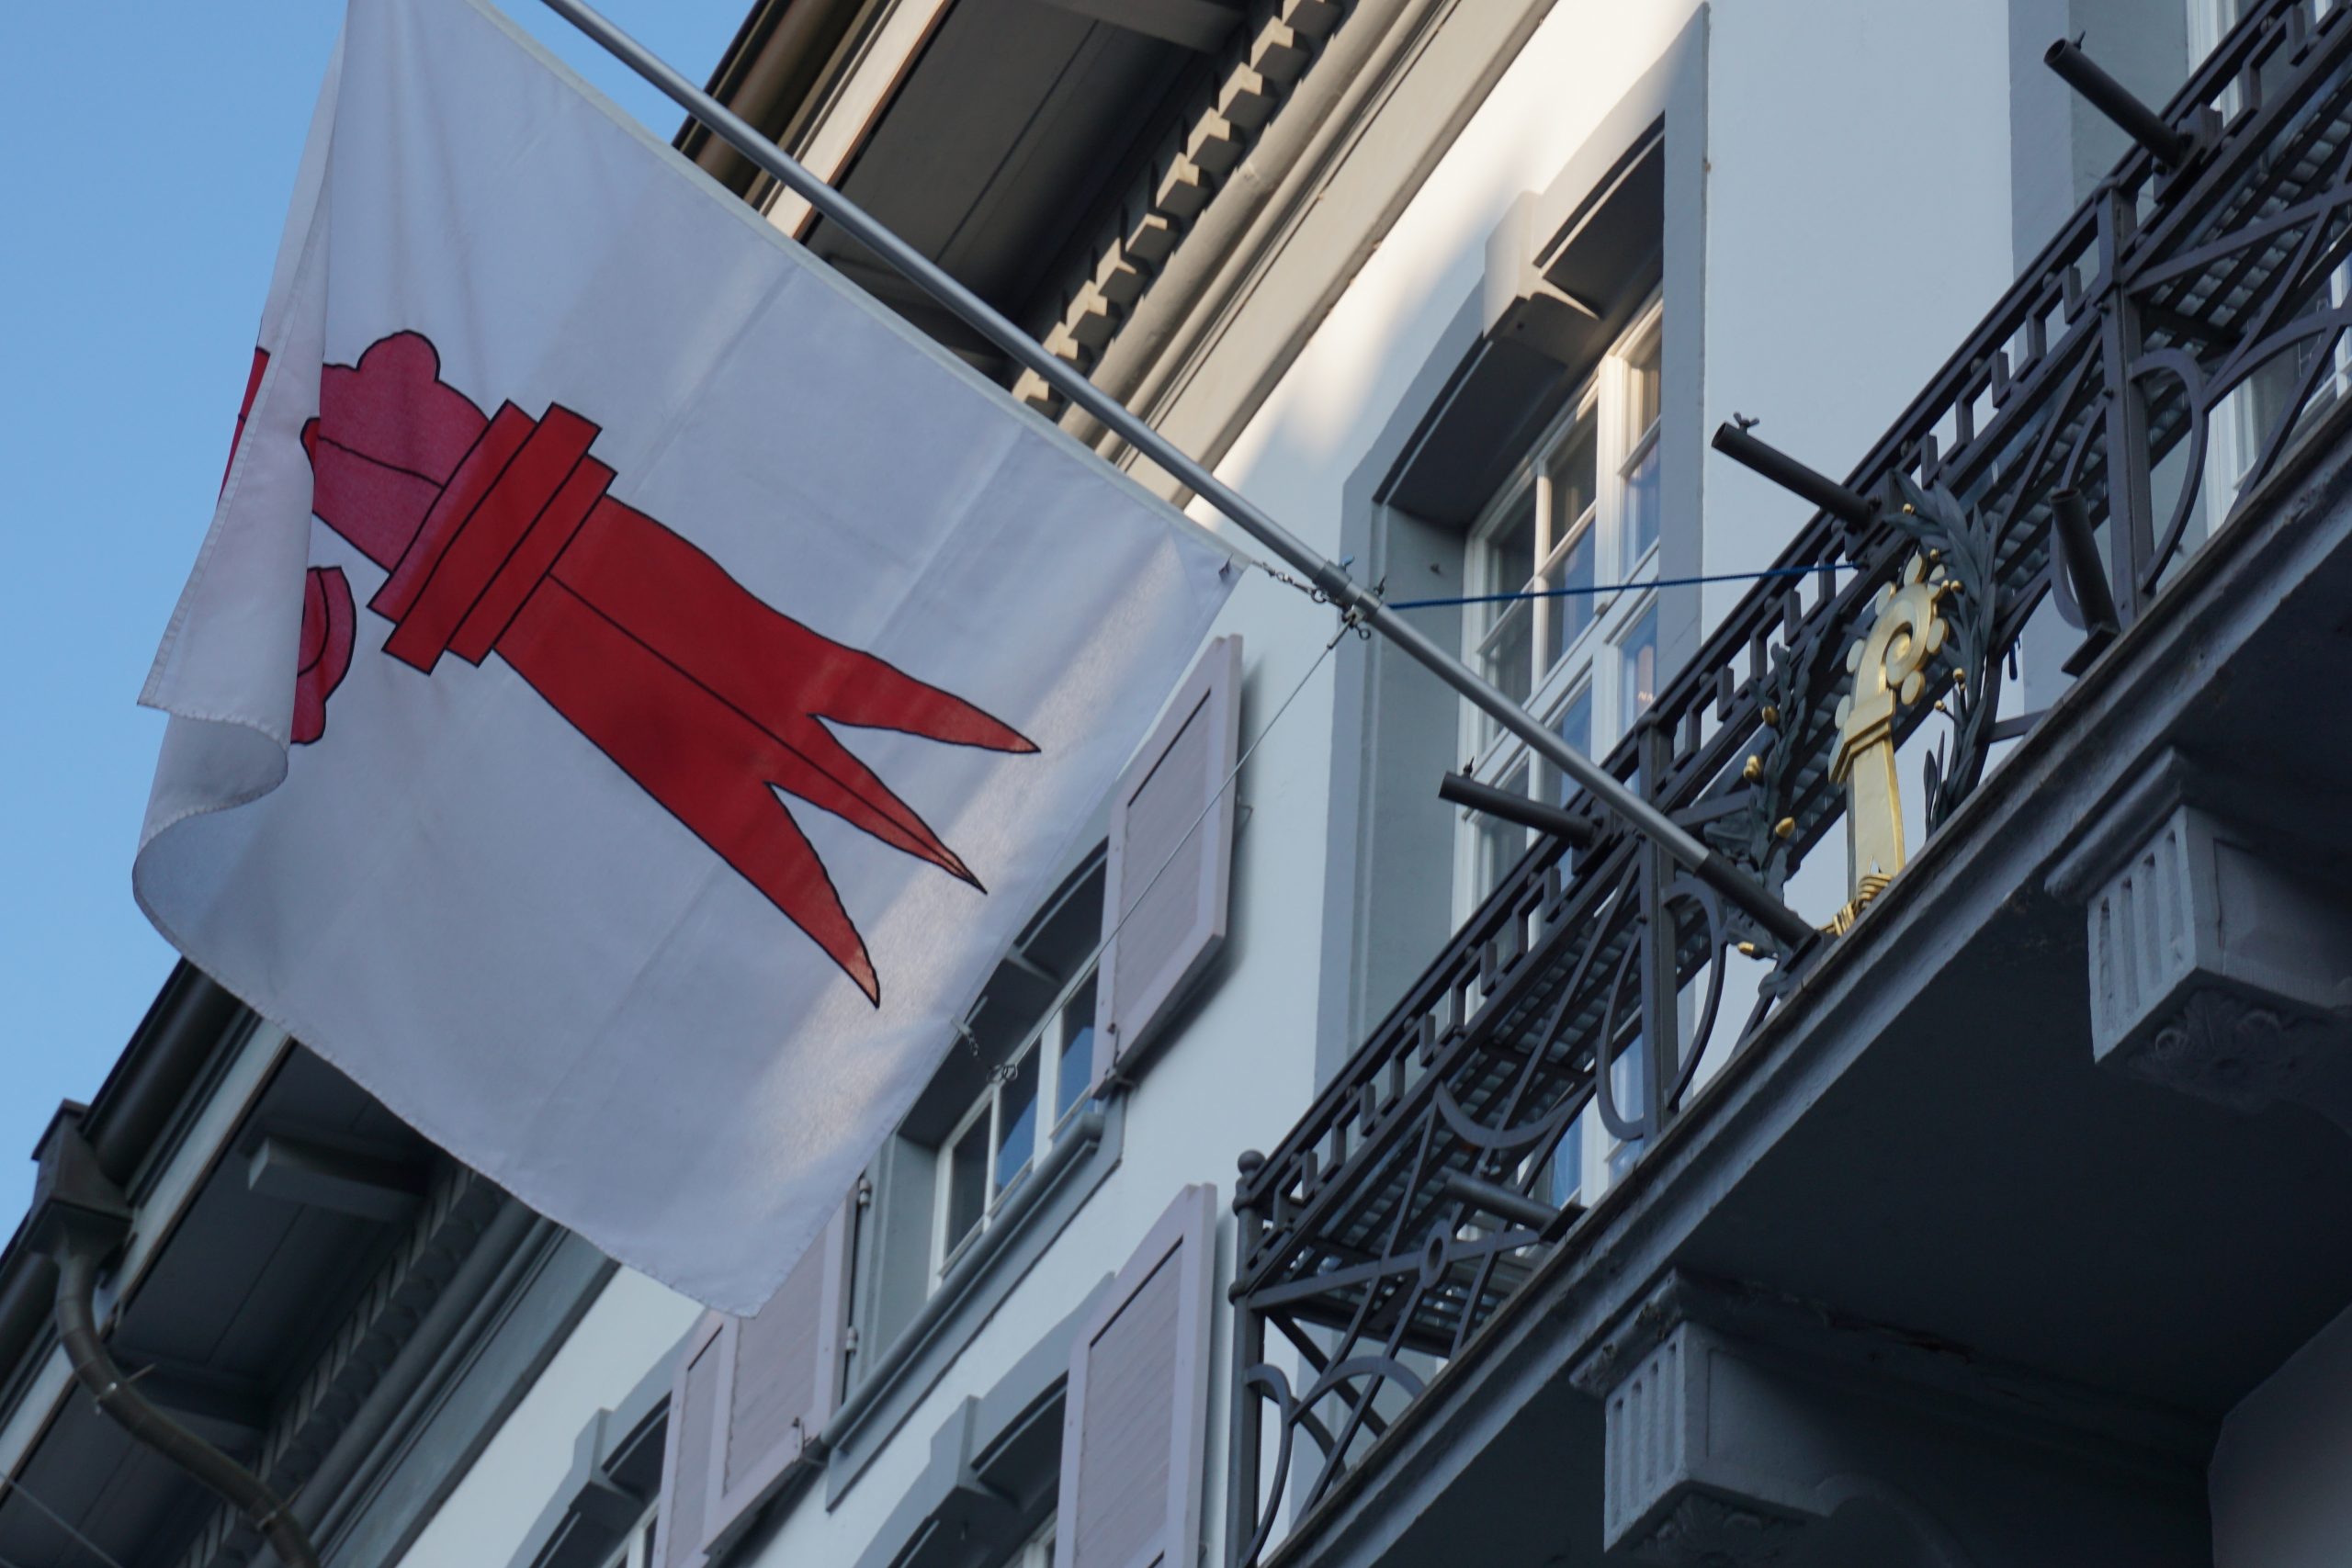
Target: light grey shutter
(685,1451)
(779,1373)
(1168,929)
(1135,1418)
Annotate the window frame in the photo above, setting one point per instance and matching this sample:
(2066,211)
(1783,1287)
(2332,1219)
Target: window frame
(1038,1551)
(1050,1038)
(1590,664)
(635,1549)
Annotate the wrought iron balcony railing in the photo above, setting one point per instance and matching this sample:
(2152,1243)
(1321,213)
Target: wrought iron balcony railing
(2148,371)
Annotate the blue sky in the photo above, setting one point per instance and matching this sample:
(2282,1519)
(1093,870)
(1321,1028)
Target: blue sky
(148,154)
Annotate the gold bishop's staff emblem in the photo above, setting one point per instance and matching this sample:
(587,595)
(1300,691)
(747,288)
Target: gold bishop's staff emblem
(1891,664)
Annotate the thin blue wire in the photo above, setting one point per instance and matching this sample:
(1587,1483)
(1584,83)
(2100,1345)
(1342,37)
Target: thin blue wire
(1624,587)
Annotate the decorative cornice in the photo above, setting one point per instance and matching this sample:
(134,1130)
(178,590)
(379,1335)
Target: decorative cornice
(303,1431)
(1270,56)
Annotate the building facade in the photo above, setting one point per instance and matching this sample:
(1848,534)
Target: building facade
(1336,1175)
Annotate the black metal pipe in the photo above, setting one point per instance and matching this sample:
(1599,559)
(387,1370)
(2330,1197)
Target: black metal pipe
(1791,475)
(2113,99)
(2078,549)
(1787,927)
(1503,1202)
(77,1279)
(1463,790)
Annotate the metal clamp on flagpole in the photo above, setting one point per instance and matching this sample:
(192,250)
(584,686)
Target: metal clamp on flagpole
(1352,598)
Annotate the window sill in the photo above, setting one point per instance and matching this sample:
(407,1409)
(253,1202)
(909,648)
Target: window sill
(995,1261)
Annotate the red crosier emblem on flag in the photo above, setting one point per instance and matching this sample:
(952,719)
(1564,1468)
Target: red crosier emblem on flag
(499,538)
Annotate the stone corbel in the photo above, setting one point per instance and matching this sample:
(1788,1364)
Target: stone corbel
(1742,1429)
(2220,947)
(1672,1494)
(1521,306)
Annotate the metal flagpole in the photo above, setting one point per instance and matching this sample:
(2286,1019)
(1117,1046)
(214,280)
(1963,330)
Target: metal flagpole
(1712,869)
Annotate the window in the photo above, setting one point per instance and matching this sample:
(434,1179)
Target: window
(635,1549)
(2244,419)
(1581,511)
(1563,1179)
(1038,1551)
(1637,667)
(1628,1086)
(1042,1000)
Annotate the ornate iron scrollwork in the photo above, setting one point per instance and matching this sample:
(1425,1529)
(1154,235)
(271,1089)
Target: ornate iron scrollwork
(1963,546)
(2155,364)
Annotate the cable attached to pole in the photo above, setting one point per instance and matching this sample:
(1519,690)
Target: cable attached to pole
(1586,590)
(1360,603)
(1085,966)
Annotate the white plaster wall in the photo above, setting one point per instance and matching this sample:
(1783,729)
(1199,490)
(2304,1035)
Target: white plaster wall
(1858,226)
(2280,1480)
(632,1324)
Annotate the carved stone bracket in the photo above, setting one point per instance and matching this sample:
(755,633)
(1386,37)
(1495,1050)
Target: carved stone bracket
(1742,1427)
(1699,1530)
(1672,1491)
(2227,1048)
(2220,962)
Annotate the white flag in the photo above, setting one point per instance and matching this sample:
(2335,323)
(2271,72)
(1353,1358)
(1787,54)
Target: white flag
(634,687)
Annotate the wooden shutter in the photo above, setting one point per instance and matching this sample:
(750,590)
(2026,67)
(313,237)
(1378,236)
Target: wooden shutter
(1168,930)
(685,1451)
(779,1374)
(1135,1417)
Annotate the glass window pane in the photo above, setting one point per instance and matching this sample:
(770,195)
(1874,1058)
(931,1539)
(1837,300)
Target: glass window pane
(1564,1181)
(1572,612)
(1575,725)
(1506,658)
(1501,844)
(1641,506)
(1576,476)
(967,1184)
(1078,1051)
(1060,941)
(1017,1120)
(1640,388)
(1627,1087)
(1511,550)
(1637,667)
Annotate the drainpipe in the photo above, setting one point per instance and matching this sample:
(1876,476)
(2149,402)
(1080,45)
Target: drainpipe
(81,1219)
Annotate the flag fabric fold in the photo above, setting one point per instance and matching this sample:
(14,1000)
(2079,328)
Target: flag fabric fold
(634,687)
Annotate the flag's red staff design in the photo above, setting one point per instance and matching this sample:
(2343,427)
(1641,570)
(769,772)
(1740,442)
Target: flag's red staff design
(499,538)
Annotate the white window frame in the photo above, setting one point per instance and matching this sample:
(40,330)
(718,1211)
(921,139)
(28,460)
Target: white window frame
(2210,20)
(1592,662)
(1051,1037)
(1038,1551)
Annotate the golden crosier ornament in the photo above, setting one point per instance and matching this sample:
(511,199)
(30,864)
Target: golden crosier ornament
(1889,664)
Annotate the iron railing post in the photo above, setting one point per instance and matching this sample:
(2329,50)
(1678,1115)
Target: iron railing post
(1661,1009)
(1245,1422)
(2130,536)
